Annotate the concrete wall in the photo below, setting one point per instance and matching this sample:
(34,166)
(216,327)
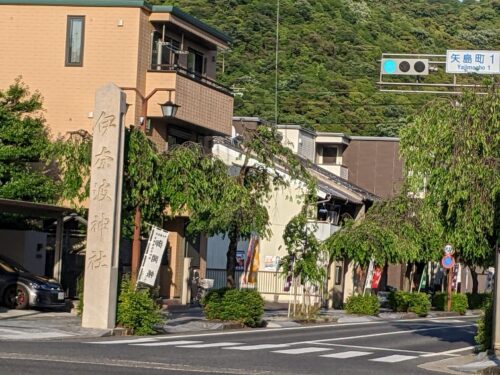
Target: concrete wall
(26,247)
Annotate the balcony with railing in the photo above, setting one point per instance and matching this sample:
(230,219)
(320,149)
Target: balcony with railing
(204,103)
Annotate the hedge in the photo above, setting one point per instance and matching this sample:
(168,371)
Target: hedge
(459,302)
(365,305)
(485,324)
(477,300)
(410,302)
(245,306)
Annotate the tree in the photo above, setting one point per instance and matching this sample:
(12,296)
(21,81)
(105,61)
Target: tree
(452,153)
(262,155)
(305,261)
(398,230)
(24,142)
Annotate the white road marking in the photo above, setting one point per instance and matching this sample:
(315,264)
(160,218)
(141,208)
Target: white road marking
(211,345)
(383,334)
(116,342)
(301,350)
(449,352)
(344,355)
(30,334)
(394,358)
(260,346)
(168,343)
(378,349)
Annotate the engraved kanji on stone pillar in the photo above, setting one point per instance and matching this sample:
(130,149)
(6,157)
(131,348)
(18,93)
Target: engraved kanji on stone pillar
(103,232)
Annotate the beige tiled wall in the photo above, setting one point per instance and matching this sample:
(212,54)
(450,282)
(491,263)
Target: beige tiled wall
(32,45)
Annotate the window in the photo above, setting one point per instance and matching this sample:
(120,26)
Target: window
(74,40)
(329,155)
(164,52)
(195,62)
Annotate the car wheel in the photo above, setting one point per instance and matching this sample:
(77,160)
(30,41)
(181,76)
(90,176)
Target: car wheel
(16,297)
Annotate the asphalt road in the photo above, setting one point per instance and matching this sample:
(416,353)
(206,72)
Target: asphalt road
(353,348)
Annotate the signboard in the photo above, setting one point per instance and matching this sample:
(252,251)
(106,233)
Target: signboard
(448,261)
(152,257)
(240,260)
(377,275)
(271,263)
(448,249)
(466,62)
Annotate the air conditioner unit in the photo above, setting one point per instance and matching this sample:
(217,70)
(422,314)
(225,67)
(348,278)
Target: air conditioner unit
(333,217)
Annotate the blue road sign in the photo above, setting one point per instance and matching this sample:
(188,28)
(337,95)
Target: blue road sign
(448,261)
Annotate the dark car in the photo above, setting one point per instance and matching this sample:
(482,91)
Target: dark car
(19,288)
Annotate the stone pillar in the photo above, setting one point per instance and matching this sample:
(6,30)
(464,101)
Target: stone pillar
(103,232)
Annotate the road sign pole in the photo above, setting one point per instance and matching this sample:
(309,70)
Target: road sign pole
(495,345)
(450,281)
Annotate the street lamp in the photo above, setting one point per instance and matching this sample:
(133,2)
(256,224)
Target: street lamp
(169,110)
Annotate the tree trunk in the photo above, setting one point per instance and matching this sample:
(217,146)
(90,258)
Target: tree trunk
(475,282)
(231,259)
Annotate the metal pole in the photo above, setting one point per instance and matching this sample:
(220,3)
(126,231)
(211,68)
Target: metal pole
(495,345)
(450,279)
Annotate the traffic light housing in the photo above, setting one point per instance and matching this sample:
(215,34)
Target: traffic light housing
(415,67)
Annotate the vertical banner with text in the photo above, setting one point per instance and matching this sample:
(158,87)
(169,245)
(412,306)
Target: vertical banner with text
(103,232)
(152,257)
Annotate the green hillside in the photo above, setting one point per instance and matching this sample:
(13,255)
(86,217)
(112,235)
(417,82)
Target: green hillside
(329,52)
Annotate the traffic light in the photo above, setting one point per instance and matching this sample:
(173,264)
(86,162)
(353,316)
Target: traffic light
(416,67)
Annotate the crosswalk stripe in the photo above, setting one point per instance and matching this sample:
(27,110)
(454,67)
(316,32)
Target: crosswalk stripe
(116,342)
(394,358)
(168,343)
(350,354)
(211,345)
(257,347)
(302,350)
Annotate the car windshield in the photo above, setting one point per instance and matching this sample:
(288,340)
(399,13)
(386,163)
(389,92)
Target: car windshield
(10,266)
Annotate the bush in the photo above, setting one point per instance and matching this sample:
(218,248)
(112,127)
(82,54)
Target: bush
(136,309)
(485,324)
(459,302)
(245,306)
(477,300)
(365,305)
(410,302)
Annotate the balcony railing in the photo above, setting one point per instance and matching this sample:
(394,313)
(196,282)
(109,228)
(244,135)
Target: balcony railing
(190,74)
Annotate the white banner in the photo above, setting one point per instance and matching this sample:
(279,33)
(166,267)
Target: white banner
(369,276)
(152,257)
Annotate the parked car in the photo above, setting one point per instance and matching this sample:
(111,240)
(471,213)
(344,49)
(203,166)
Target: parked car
(20,289)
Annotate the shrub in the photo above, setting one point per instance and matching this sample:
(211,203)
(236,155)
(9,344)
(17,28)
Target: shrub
(419,304)
(410,302)
(439,301)
(365,305)
(136,309)
(477,300)
(459,302)
(484,324)
(245,306)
